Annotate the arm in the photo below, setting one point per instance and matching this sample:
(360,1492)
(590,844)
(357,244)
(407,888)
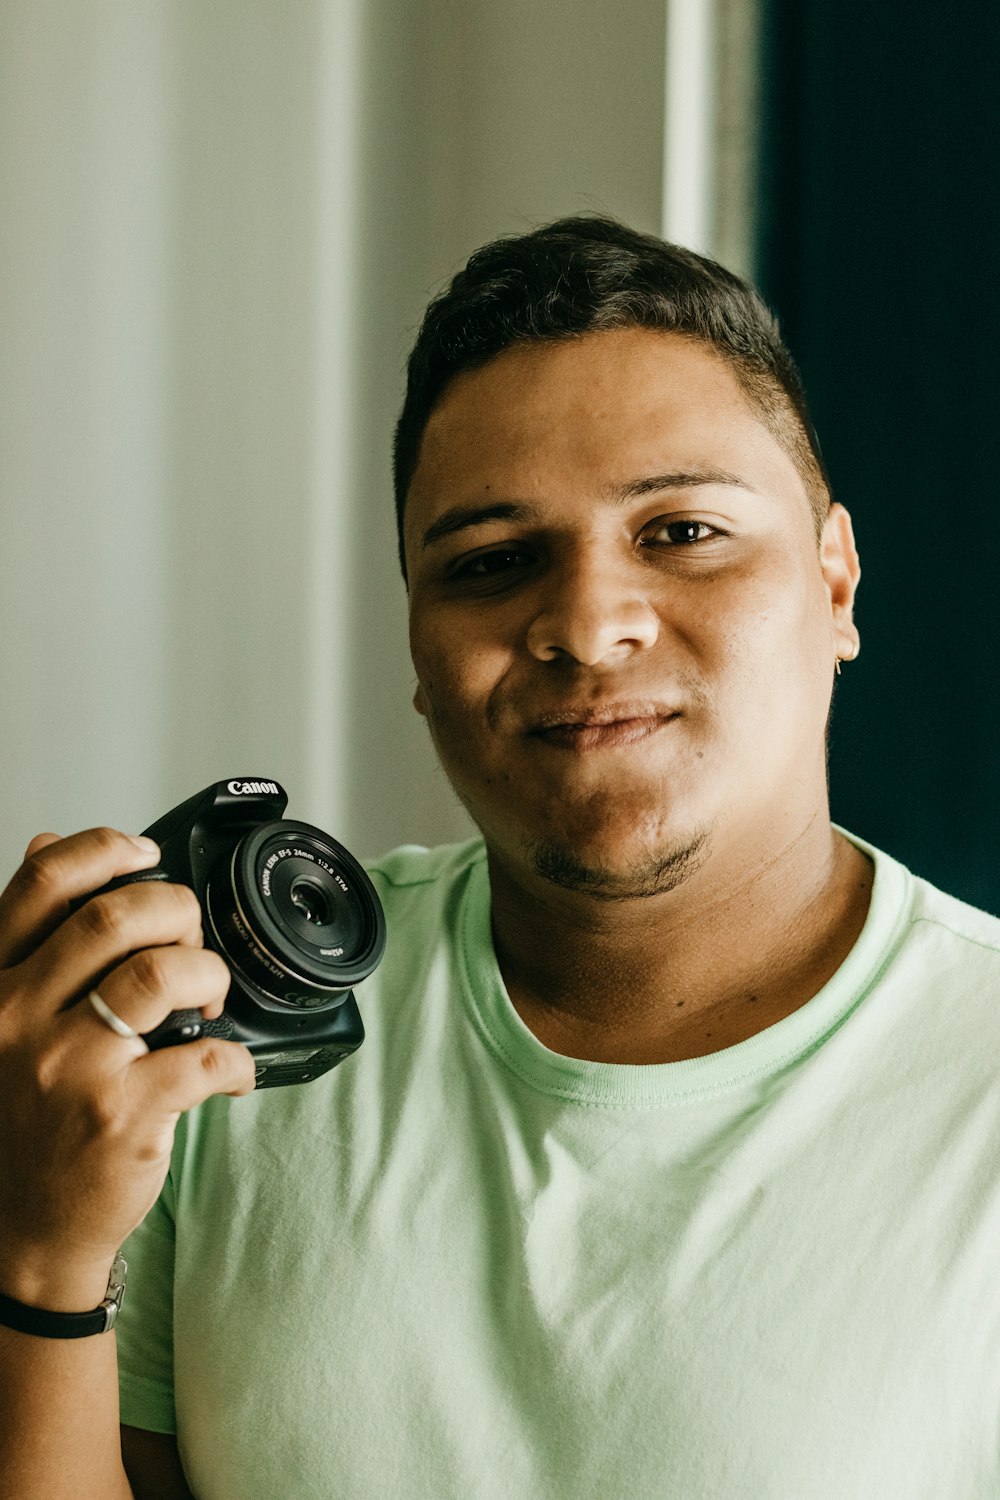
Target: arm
(58,1435)
(87,1121)
(153,1465)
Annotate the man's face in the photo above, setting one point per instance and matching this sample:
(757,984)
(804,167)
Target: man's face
(623,629)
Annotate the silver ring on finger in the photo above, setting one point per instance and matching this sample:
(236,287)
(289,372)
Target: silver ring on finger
(112,1022)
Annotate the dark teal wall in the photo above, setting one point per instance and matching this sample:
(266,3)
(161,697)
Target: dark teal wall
(880,250)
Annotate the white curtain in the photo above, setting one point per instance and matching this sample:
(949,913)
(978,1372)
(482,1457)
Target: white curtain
(219,223)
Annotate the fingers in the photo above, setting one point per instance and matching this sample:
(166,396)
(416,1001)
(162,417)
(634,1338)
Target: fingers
(181,1077)
(39,842)
(105,931)
(57,871)
(142,992)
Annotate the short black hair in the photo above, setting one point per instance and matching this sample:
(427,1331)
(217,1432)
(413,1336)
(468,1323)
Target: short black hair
(589,274)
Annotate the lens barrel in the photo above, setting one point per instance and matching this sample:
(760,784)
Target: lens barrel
(294,913)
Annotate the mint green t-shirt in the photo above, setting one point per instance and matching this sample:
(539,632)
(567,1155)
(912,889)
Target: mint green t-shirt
(463,1267)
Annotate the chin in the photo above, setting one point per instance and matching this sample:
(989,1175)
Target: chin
(647,873)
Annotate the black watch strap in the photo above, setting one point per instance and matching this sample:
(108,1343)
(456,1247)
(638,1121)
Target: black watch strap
(62,1325)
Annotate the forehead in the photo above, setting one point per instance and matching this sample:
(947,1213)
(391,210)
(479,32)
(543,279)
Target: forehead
(587,414)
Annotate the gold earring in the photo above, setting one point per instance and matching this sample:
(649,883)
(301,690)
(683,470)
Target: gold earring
(853,656)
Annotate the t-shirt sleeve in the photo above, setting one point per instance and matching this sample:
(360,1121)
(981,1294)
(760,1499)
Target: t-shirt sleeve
(144,1331)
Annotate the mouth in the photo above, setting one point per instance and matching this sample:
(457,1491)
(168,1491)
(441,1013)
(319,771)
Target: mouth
(605,728)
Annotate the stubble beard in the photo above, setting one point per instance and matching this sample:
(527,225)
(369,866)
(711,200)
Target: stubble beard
(649,875)
(652,875)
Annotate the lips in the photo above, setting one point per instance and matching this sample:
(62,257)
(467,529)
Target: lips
(603,727)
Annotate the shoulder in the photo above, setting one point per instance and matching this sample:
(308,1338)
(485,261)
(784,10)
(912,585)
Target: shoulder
(919,941)
(934,941)
(434,902)
(412,865)
(913,904)
(953,920)
(426,883)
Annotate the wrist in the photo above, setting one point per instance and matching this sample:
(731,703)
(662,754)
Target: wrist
(51,1323)
(43,1278)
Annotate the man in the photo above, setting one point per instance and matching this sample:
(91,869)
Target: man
(668,1166)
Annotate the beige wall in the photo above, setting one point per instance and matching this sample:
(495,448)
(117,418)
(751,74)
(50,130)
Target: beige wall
(221,223)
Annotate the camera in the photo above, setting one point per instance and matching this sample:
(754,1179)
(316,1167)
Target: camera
(292,913)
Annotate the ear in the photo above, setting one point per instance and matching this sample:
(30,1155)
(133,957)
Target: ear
(419,701)
(841,570)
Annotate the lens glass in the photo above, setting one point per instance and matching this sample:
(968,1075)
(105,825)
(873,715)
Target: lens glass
(310,901)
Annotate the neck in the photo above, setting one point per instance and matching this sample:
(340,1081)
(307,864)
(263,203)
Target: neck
(735,947)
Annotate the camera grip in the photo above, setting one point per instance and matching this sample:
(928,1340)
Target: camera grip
(183,1026)
(180,1026)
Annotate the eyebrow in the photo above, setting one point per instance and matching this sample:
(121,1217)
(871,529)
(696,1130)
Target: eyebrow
(462,517)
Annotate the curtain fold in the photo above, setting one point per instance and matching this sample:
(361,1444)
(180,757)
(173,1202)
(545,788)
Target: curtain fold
(879,228)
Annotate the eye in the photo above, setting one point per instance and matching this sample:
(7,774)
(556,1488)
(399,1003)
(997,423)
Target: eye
(497,565)
(678,533)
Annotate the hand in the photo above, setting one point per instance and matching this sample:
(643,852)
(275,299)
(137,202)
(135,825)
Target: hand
(87,1117)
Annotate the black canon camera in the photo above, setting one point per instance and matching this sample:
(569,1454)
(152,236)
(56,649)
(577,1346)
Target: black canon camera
(292,913)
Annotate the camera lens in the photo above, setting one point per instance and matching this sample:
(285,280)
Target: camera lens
(309,898)
(296,915)
(312,904)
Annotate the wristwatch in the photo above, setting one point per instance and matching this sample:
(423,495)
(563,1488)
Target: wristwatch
(61,1325)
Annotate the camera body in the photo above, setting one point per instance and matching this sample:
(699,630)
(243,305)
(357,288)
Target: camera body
(293,914)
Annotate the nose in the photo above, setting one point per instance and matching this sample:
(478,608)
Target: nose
(594,611)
